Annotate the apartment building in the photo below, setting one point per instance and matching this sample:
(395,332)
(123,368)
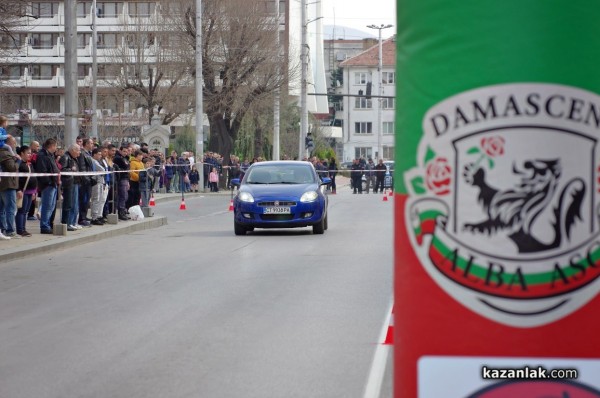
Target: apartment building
(130,34)
(358,113)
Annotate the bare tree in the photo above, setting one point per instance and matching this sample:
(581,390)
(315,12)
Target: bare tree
(149,65)
(240,65)
(11,11)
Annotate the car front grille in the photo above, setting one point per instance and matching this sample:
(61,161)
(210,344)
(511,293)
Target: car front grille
(277,217)
(281,203)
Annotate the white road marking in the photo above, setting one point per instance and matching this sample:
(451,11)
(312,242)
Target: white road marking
(380,358)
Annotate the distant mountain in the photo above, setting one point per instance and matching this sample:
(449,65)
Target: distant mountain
(344,32)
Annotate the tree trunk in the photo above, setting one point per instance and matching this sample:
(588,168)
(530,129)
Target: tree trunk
(220,138)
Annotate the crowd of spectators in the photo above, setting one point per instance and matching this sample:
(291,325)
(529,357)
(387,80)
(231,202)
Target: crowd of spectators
(91,180)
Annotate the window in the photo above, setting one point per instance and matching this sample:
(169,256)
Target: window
(108,40)
(109,9)
(108,71)
(388,128)
(363,128)
(43,71)
(83,8)
(44,9)
(140,40)
(12,103)
(46,103)
(134,71)
(388,77)
(360,78)
(388,152)
(387,103)
(363,152)
(14,41)
(44,40)
(109,102)
(83,39)
(83,70)
(363,103)
(12,72)
(144,9)
(281,7)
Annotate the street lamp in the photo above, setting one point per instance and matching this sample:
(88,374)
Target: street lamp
(379,92)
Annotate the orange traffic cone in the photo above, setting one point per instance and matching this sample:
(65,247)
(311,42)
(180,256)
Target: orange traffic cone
(385,198)
(231,205)
(152,202)
(391,193)
(182,205)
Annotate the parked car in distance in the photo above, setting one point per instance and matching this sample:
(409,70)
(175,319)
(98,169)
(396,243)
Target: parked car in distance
(280,194)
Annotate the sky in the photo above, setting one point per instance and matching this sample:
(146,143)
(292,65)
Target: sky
(357,14)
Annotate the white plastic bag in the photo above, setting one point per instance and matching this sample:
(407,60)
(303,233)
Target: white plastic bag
(136,213)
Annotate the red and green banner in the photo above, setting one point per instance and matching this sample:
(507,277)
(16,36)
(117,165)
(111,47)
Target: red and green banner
(497,238)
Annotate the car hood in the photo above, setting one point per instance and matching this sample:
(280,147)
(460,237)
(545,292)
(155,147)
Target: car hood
(283,191)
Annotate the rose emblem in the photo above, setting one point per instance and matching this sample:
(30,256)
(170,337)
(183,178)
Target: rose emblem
(437,176)
(493,146)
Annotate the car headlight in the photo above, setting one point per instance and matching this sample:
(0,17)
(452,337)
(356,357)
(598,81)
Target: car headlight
(246,197)
(309,196)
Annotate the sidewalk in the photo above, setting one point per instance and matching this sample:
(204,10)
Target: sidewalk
(39,244)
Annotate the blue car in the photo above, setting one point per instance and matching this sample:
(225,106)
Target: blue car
(280,194)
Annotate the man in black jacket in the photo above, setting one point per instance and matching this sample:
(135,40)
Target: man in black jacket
(121,161)
(8,186)
(47,185)
(70,187)
(380,170)
(356,175)
(84,161)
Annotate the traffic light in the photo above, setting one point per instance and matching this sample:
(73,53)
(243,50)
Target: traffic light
(308,142)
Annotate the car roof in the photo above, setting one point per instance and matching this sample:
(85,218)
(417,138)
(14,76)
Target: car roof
(282,163)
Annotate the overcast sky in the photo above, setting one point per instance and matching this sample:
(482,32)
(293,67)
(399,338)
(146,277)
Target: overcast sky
(358,14)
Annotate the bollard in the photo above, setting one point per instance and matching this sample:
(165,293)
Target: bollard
(60,229)
(148,211)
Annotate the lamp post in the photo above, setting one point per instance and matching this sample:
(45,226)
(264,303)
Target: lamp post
(303,86)
(94,71)
(199,92)
(303,79)
(276,105)
(379,90)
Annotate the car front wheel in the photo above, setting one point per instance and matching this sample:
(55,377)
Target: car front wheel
(319,228)
(239,229)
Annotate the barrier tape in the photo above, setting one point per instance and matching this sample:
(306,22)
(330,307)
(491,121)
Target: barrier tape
(162,166)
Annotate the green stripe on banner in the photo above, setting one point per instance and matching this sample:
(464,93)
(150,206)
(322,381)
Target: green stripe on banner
(429,215)
(540,278)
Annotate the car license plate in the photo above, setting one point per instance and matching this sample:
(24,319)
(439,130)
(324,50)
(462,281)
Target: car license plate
(277,210)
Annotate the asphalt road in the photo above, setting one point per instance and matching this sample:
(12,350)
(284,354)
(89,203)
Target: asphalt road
(190,310)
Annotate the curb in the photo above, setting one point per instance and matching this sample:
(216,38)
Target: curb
(86,237)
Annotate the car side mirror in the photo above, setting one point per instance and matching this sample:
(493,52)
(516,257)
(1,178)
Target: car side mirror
(325,181)
(235,182)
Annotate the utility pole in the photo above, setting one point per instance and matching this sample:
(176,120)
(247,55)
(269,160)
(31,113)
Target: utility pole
(94,71)
(379,91)
(199,94)
(276,105)
(71,94)
(303,83)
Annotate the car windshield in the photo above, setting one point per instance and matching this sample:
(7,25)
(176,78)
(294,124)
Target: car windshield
(281,174)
